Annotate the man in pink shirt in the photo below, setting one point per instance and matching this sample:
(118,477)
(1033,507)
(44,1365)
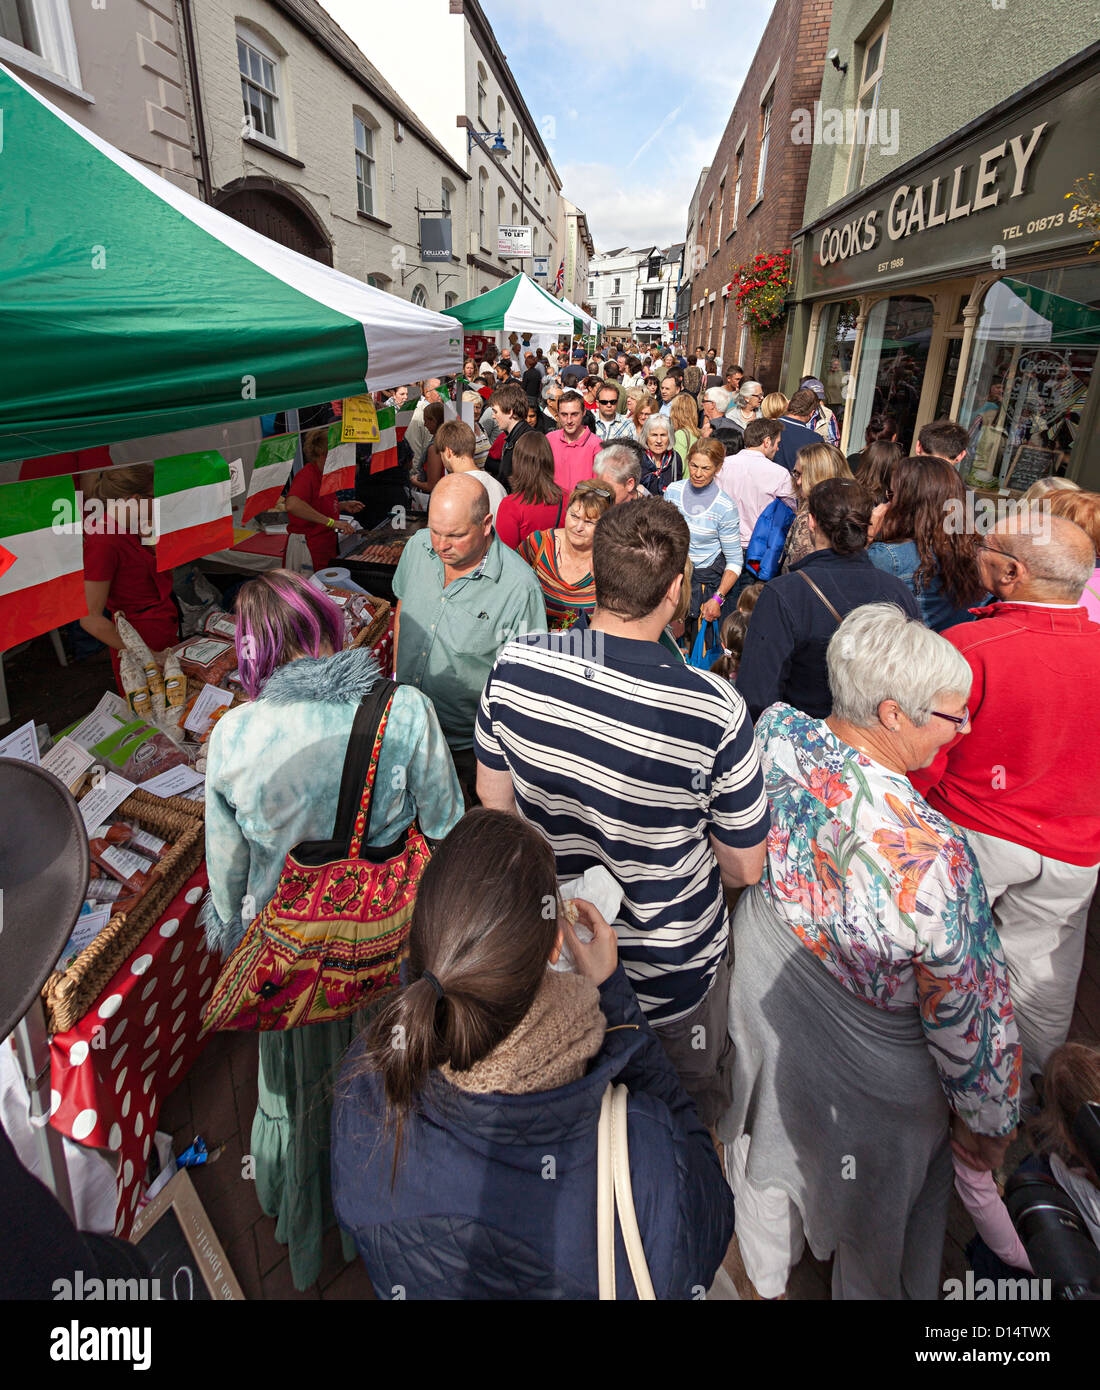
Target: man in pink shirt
(574,446)
(750,479)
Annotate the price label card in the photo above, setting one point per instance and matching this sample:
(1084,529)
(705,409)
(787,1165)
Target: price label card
(359,421)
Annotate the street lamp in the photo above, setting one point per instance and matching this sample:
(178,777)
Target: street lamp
(498,149)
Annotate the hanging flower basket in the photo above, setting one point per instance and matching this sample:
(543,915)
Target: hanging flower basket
(762,286)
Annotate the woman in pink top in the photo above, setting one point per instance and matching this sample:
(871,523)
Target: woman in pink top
(536,503)
(1083,509)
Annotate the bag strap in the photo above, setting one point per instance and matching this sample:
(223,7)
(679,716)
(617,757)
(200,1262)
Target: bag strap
(614,1190)
(360,766)
(803,575)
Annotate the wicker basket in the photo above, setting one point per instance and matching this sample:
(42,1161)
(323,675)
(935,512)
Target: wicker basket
(367,636)
(69,994)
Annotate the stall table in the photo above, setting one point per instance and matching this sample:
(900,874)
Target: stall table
(110,1073)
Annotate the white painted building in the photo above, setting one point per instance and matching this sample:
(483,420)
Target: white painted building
(634,292)
(444,57)
(579,248)
(309,144)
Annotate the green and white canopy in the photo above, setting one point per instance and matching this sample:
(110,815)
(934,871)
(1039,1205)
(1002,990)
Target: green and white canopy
(130,308)
(517,306)
(587,323)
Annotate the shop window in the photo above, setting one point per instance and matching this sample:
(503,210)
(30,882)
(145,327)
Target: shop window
(891,366)
(836,340)
(1033,355)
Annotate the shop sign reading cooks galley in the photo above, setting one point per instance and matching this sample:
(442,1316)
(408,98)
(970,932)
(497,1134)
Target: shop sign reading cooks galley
(1001,193)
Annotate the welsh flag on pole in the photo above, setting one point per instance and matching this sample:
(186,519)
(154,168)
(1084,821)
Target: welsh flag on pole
(42,585)
(384,453)
(274,460)
(192,502)
(340,465)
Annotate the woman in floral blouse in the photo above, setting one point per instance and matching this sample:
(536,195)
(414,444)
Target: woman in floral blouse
(869,1004)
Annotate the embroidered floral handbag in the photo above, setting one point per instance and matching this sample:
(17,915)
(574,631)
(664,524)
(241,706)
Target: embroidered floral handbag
(335,934)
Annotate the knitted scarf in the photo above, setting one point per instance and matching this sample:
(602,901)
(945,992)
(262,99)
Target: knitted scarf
(551,1045)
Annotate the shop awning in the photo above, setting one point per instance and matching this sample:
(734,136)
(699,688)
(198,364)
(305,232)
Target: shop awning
(588,323)
(130,308)
(517,306)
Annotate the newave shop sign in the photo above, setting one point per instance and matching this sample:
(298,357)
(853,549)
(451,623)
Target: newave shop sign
(997,196)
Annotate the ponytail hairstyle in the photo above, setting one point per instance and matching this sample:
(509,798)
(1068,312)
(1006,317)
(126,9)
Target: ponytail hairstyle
(842,510)
(280,617)
(484,925)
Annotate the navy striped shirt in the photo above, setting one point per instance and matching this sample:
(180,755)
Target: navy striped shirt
(623,756)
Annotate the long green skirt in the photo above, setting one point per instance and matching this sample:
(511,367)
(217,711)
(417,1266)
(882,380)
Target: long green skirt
(291,1137)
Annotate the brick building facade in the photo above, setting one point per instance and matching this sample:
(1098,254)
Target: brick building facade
(752,197)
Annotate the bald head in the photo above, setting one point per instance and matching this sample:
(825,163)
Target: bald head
(459,497)
(1035,557)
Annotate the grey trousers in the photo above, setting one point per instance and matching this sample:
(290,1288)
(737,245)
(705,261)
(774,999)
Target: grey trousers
(1040,907)
(700,1049)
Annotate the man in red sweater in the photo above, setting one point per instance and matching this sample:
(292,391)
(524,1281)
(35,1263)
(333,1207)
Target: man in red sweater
(1025,783)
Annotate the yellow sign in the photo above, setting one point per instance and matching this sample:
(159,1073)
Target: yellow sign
(359,423)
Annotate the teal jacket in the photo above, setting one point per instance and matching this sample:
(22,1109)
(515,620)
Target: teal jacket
(273,778)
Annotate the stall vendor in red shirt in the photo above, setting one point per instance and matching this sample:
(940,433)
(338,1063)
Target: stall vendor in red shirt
(312,515)
(120,569)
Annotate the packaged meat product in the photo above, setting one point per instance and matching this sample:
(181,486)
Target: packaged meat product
(126,833)
(135,683)
(175,682)
(104,890)
(219,624)
(131,870)
(207,659)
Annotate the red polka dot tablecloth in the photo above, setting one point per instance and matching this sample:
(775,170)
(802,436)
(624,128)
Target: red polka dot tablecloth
(110,1073)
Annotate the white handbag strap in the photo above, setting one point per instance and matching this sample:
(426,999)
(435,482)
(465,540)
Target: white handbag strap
(614,1189)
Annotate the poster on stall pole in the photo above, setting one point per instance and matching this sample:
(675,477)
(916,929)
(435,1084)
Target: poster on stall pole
(360,421)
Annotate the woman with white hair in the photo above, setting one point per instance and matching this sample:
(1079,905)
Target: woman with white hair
(663,464)
(746,404)
(869,1005)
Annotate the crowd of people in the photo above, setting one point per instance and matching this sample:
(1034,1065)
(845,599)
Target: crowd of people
(818,772)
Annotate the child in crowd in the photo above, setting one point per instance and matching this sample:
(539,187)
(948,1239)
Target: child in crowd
(732,633)
(1071,1078)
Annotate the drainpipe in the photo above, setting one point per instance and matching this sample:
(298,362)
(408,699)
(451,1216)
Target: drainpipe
(184,11)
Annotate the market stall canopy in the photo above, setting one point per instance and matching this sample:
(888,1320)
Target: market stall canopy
(131,308)
(517,306)
(588,323)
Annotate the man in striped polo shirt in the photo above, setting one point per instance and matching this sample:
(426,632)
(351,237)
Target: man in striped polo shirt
(625,757)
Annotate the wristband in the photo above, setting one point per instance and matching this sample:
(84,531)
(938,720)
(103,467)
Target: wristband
(331,524)
(718,599)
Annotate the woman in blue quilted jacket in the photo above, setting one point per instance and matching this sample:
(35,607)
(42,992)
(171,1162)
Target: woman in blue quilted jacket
(465,1127)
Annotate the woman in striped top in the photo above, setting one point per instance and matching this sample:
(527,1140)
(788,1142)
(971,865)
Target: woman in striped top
(715,527)
(562,558)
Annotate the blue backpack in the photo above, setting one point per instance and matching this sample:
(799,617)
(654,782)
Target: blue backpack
(769,535)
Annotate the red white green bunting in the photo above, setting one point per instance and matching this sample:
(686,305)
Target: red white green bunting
(384,453)
(339,465)
(193,510)
(274,460)
(43,586)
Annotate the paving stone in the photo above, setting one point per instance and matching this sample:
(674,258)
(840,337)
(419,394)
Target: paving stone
(278,1284)
(353,1283)
(241,1254)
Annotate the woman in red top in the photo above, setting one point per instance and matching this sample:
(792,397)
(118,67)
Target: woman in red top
(536,503)
(313,514)
(120,565)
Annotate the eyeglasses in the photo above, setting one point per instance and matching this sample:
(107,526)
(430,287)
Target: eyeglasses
(992,549)
(796,474)
(959,720)
(597,488)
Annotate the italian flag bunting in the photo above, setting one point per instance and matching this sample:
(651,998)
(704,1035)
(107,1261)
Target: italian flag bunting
(42,585)
(340,465)
(403,418)
(384,453)
(192,504)
(274,460)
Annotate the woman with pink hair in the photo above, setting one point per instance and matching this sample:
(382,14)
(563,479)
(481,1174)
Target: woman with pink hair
(272,780)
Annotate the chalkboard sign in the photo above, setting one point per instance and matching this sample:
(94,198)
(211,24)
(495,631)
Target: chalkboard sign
(1028,465)
(175,1235)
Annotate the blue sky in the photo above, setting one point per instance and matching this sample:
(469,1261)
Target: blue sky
(635,95)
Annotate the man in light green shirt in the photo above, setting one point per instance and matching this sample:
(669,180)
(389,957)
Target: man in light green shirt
(462,594)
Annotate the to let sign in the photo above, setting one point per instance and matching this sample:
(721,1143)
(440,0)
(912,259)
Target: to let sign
(513,241)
